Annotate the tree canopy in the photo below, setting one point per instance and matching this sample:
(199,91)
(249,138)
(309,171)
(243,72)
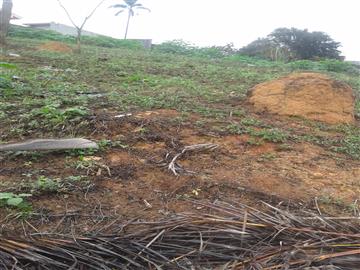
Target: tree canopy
(294,44)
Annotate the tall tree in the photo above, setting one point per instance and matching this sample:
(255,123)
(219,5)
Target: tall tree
(306,45)
(5,16)
(294,44)
(79,28)
(130,6)
(265,48)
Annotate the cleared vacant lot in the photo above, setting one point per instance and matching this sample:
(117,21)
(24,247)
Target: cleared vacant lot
(143,108)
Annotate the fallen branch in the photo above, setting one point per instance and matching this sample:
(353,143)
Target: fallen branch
(175,168)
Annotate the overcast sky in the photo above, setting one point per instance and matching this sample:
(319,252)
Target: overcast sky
(206,23)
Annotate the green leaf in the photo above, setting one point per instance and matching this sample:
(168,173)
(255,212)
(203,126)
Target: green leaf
(14,201)
(7,65)
(5,83)
(6,195)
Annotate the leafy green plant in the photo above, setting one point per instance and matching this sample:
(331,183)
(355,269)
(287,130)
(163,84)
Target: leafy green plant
(5,80)
(71,113)
(236,129)
(350,145)
(7,65)
(5,83)
(12,199)
(253,61)
(336,66)
(177,46)
(303,65)
(46,184)
(2,115)
(53,115)
(251,122)
(331,65)
(181,47)
(255,141)
(109,42)
(267,156)
(272,135)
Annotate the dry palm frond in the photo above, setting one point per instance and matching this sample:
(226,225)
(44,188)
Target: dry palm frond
(231,237)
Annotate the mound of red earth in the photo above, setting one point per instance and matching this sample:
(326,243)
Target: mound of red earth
(54,46)
(309,95)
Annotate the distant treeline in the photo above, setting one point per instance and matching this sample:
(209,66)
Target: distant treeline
(247,55)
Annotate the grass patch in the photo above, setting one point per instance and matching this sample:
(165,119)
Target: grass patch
(58,94)
(48,35)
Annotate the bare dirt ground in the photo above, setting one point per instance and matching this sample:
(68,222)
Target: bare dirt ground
(132,180)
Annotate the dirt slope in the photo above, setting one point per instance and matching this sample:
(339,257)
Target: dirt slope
(54,46)
(309,95)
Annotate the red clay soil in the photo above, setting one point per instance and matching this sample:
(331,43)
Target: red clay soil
(55,46)
(140,185)
(310,95)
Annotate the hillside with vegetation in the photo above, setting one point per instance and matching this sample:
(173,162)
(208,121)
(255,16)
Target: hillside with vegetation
(145,109)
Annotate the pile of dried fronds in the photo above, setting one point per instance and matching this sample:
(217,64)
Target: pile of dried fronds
(231,237)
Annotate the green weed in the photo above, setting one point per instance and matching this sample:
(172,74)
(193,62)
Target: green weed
(273,135)
(45,184)
(13,200)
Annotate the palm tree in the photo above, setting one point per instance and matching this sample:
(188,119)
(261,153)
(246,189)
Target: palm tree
(130,6)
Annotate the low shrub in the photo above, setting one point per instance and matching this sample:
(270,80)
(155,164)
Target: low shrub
(181,47)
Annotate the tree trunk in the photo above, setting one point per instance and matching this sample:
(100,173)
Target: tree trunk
(127,24)
(5,16)
(78,41)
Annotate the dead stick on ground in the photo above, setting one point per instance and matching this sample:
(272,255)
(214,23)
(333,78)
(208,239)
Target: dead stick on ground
(191,148)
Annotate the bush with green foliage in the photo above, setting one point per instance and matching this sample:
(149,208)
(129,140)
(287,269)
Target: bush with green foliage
(350,143)
(5,79)
(331,65)
(266,49)
(303,44)
(53,115)
(109,42)
(181,47)
(294,44)
(337,66)
(253,61)
(175,46)
(40,34)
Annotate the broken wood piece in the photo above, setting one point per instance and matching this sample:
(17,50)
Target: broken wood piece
(176,169)
(123,115)
(50,144)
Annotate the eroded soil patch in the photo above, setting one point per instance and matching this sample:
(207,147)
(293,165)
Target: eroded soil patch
(129,177)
